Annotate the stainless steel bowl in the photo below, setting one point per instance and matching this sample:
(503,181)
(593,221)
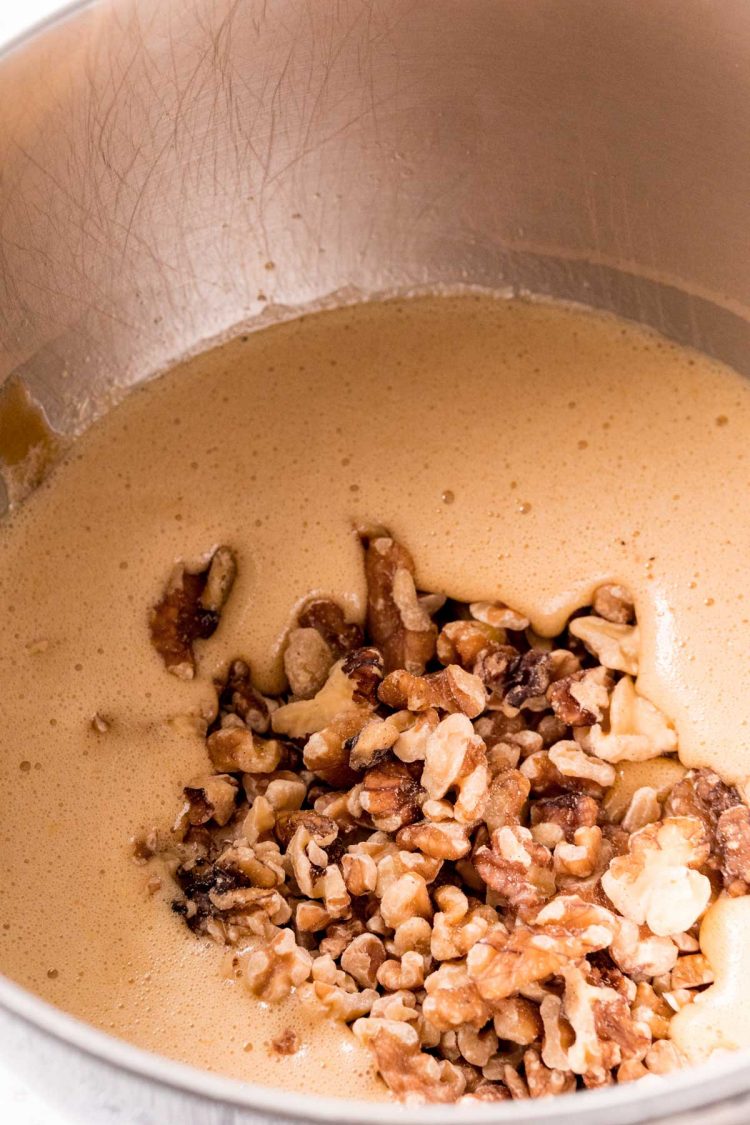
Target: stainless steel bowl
(173,169)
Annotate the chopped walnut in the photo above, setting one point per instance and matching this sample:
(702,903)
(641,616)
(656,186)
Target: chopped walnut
(233,749)
(327,618)
(391,795)
(581,699)
(487,861)
(503,963)
(335,699)
(307,662)
(455,759)
(272,971)
(462,642)
(287,1043)
(614,603)
(615,646)
(446,840)
(657,881)
(517,868)
(190,609)
(452,689)
(571,761)
(517,1020)
(637,729)
(498,616)
(544,1082)
(209,798)
(640,953)
(397,623)
(363,958)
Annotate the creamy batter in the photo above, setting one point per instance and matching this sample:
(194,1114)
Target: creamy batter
(522,452)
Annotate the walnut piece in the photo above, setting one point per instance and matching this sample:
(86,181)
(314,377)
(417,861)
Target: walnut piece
(327,618)
(657,883)
(615,646)
(614,603)
(272,971)
(399,626)
(637,729)
(307,662)
(452,690)
(190,609)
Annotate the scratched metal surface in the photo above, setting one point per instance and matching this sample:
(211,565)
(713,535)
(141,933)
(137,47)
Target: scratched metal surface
(172,169)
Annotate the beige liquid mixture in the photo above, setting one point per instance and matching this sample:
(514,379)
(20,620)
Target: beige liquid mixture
(521,451)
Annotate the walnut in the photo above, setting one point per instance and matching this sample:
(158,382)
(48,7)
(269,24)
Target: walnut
(614,603)
(371,744)
(408,1072)
(517,868)
(462,642)
(360,873)
(569,811)
(457,926)
(327,618)
(733,843)
(362,959)
(406,897)
(581,699)
(506,799)
(327,751)
(339,935)
(190,609)
(605,1031)
(652,1010)
(657,881)
(411,744)
(581,857)
(404,973)
(308,861)
(662,774)
(455,759)
(544,1082)
(414,933)
(272,971)
(335,895)
(558,1034)
(237,696)
(237,748)
(364,667)
(286,792)
(486,1092)
(322,829)
(477,1047)
(260,864)
(391,795)
(692,971)
(664,1058)
(451,689)
(399,1005)
(307,662)
(567,928)
(498,616)
(640,953)
(517,1020)
(209,798)
(335,699)
(637,729)
(571,761)
(453,999)
(336,1002)
(396,621)
(311,917)
(644,808)
(615,646)
(446,840)
(526,681)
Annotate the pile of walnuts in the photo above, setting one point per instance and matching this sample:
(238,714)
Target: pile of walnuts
(474,845)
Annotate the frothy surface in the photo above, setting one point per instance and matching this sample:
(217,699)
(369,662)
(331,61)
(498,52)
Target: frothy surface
(522,452)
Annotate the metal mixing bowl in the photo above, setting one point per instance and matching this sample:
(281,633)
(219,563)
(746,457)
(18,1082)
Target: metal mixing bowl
(172,169)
